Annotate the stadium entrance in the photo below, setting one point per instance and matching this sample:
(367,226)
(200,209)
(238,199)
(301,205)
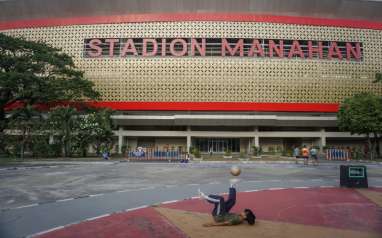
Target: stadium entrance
(217,145)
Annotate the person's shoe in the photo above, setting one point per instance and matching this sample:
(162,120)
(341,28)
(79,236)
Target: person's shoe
(234,181)
(201,194)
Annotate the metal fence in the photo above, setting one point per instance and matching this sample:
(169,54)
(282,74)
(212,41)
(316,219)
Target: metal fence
(152,154)
(338,154)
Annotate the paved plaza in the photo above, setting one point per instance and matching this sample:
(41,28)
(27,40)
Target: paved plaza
(120,197)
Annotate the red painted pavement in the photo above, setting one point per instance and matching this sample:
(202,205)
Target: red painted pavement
(140,223)
(326,207)
(332,207)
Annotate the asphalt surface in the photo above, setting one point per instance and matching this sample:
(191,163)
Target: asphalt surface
(43,196)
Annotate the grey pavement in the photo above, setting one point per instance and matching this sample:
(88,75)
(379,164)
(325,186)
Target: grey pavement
(34,200)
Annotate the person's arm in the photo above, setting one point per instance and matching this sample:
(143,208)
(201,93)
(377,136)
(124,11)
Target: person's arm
(226,223)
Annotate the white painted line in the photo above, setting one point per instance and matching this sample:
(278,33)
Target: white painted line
(135,208)
(47,231)
(123,191)
(250,191)
(275,188)
(300,187)
(214,182)
(96,195)
(172,201)
(193,184)
(327,186)
(256,181)
(30,205)
(64,200)
(195,197)
(146,188)
(97,217)
(170,186)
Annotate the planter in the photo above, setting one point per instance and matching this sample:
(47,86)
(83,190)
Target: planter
(227,156)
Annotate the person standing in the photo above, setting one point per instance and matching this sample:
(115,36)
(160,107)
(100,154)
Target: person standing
(296,153)
(305,154)
(313,153)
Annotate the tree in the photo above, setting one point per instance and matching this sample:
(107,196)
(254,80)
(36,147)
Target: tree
(24,122)
(362,114)
(76,131)
(103,131)
(33,74)
(63,123)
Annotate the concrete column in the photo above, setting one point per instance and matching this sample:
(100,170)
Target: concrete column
(120,140)
(188,139)
(323,140)
(51,140)
(256,138)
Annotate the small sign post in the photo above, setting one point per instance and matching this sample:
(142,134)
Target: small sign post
(353,176)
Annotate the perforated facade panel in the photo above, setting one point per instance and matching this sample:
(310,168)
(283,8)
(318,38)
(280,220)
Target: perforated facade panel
(220,79)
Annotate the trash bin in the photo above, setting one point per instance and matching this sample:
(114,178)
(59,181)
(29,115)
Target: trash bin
(353,176)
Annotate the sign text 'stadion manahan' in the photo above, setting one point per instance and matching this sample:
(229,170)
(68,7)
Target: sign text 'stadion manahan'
(223,47)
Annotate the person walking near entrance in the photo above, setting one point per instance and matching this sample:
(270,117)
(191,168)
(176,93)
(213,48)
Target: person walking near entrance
(313,154)
(296,153)
(305,154)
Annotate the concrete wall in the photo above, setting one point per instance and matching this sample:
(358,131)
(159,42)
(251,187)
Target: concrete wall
(268,143)
(171,142)
(244,145)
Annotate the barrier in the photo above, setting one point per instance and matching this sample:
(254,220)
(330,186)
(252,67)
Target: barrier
(338,154)
(150,154)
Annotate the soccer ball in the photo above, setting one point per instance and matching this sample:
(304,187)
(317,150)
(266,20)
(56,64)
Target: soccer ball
(235,170)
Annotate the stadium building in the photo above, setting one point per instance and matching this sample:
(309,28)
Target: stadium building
(217,74)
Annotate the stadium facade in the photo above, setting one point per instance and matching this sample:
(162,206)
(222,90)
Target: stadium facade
(213,78)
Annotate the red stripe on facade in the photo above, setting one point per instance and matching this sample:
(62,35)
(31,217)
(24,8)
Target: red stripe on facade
(219,106)
(178,17)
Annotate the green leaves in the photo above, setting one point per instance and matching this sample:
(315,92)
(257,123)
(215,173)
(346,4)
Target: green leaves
(361,114)
(33,72)
(76,131)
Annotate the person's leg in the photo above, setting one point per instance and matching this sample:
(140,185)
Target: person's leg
(217,200)
(231,199)
(219,203)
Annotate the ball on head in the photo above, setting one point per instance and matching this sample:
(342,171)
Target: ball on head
(235,170)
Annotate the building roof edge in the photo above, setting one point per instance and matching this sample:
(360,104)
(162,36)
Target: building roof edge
(178,17)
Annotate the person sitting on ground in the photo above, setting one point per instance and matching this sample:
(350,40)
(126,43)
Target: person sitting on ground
(221,214)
